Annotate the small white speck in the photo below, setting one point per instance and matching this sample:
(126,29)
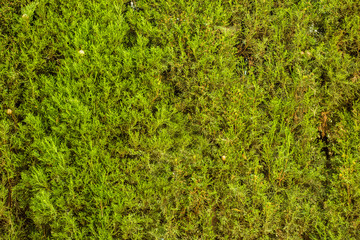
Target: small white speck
(81,52)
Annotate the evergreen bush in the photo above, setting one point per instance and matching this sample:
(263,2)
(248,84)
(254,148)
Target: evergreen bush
(179,119)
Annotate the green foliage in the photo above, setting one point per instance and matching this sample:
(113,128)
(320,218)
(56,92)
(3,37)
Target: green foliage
(179,120)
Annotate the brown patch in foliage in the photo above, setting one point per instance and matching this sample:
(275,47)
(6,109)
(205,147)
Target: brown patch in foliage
(323,127)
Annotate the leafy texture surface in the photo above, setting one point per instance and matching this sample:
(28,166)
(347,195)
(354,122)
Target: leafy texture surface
(179,119)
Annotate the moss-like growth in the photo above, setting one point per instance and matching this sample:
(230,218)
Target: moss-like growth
(179,119)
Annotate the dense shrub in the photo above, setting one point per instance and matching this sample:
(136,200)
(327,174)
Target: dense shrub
(179,119)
